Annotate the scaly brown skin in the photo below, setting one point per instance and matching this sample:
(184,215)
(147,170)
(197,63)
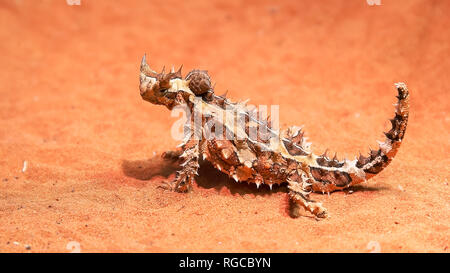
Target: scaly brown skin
(268,158)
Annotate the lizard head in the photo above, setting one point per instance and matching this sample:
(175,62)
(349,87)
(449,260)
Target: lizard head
(168,89)
(171,89)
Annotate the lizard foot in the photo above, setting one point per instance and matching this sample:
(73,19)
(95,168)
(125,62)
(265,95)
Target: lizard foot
(181,183)
(315,208)
(300,200)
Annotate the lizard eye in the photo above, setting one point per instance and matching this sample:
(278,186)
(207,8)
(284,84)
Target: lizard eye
(162,91)
(170,95)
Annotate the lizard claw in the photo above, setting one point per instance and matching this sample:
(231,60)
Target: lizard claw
(318,210)
(166,185)
(177,185)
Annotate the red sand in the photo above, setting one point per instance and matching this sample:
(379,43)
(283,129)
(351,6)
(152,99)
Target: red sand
(71,108)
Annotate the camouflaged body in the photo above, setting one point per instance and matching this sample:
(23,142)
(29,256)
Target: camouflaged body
(273,158)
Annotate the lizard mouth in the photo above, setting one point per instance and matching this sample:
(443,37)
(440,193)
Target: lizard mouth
(162,97)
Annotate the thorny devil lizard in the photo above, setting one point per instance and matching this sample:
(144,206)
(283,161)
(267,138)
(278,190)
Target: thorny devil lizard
(262,161)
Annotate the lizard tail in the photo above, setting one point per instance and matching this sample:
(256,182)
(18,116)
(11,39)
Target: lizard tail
(330,174)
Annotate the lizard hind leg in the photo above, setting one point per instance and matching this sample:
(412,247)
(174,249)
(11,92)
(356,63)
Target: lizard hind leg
(299,196)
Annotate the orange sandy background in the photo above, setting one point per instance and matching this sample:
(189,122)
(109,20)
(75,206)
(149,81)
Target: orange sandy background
(70,107)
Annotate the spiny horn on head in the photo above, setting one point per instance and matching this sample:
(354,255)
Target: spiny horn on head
(145,68)
(335,157)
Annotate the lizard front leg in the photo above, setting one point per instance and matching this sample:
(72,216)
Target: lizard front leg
(299,195)
(184,177)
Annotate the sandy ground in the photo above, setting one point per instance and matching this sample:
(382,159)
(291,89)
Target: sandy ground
(70,107)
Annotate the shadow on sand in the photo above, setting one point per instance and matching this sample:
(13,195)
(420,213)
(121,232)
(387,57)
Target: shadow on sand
(208,177)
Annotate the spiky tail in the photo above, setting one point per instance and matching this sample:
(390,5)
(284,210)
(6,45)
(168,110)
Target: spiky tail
(331,174)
